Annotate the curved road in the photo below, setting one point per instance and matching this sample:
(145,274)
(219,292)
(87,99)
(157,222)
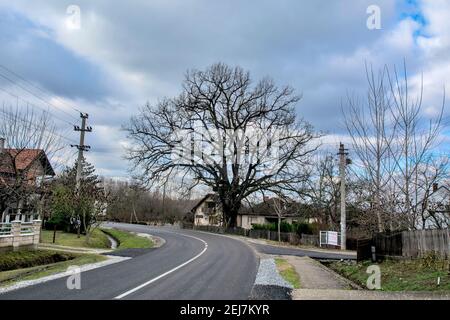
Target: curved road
(190,265)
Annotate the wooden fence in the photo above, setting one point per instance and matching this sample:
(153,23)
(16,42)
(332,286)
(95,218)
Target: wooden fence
(420,242)
(413,244)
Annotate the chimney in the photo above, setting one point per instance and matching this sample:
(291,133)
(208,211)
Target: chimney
(2,144)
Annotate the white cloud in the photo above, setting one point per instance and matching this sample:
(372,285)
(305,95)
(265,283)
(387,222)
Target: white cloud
(145,47)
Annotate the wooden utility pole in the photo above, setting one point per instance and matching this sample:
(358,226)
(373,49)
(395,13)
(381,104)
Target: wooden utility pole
(81,148)
(343,161)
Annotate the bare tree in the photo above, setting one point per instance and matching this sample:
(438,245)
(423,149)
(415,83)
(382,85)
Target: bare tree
(225,133)
(130,199)
(415,139)
(281,205)
(25,130)
(324,191)
(393,146)
(369,126)
(430,175)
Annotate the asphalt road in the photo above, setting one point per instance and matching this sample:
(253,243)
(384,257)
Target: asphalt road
(190,265)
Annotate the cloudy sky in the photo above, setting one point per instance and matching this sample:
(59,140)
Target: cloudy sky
(126,53)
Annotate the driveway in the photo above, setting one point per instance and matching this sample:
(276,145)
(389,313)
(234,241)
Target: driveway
(290,251)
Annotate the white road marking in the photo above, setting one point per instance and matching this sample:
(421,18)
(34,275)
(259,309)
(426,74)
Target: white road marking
(168,272)
(84,268)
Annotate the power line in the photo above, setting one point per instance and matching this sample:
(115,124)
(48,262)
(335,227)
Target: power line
(32,93)
(37,87)
(34,105)
(9,116)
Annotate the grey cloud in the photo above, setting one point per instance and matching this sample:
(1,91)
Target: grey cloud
(296,42)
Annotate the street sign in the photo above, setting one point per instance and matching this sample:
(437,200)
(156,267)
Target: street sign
(333,238)
(330,238)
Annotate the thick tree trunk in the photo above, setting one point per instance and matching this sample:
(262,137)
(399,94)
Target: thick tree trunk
(230,211)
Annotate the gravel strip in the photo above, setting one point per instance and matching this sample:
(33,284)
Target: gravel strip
(260,292)
(83,268)
(268,275)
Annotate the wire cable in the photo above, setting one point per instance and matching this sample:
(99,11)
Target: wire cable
(35,95)
(9,117)
(37,87)
(34,105)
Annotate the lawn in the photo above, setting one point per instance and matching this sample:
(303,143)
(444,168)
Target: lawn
(287,271)
(11,260)
(97,239)
(128,240)
(409,275)
(38,271)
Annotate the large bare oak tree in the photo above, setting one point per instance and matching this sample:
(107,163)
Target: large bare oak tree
(224,132)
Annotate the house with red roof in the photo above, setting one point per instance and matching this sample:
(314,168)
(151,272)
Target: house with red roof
(22,171)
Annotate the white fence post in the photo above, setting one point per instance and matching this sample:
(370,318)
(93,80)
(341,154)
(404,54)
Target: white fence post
(15,232)
(36,232)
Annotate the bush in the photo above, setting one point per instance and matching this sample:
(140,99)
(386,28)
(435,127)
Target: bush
(286,227)
(50,225)
(299,228)
(30,258)
(303,228)
(267,226)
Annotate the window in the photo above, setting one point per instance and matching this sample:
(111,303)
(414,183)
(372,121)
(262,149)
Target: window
(212,220)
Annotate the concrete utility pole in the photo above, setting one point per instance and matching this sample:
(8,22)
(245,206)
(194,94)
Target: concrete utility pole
(343,161)
(81,147)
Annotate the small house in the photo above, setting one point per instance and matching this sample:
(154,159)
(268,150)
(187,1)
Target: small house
(21,171)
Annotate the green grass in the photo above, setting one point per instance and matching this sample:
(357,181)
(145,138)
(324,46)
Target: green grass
(287,271)
(12,276)
(12,260)
(410,275)
(128,240)
(97,239)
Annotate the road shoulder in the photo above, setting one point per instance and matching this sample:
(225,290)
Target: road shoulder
(87,267)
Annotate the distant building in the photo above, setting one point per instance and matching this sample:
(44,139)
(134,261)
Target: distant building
(265,212)
(437,208)
(208,212)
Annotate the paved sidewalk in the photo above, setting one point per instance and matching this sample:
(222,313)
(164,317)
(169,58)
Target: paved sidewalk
(315,276)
